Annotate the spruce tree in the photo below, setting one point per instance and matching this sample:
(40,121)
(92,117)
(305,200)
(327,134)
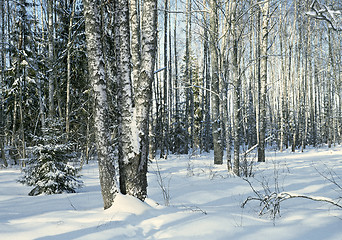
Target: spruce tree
(48,169)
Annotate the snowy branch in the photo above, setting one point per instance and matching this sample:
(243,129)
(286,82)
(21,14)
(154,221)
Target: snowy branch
(325,13)
(270,201)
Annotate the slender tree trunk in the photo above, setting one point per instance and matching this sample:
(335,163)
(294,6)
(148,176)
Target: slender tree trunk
(215,99)
(188,76)
(2,127)
(170,88)
(165,120)
(97,75)
(39,81)
(284,96)
(21,75)
(330,75)
(204,146)
(263,79)
(51,59)
(177,142)
(237,91)
(67,111)
(257,70)
(22,131)
(224,87)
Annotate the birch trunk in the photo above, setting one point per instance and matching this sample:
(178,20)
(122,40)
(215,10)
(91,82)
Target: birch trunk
(283,112)
(263,79)
(215,99)
(237,91)
(128,139)
(97,75)
(135,40)
(143,97)
(187,75)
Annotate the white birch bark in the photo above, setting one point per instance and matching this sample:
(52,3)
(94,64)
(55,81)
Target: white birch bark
(264,8)
(97,75)
(135,40)
(143,96)
(215,100)
(129,142)
(237,91)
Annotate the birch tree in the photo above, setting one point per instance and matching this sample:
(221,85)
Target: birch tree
(215,99)
(143,96)
(128,135)
(237,89)
(264,8)
(96,67)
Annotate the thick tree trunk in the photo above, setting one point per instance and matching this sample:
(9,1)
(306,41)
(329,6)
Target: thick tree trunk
(97,75)
(143,97)
(128,135)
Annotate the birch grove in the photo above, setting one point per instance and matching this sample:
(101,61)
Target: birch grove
(133,80)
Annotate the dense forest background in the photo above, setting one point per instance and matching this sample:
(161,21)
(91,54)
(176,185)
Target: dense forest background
(229,75)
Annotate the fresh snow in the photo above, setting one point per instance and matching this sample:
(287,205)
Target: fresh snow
(204,203)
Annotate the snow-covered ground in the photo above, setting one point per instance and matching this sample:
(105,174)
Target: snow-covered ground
(204,203)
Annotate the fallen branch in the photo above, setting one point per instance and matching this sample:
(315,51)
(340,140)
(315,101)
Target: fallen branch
(270,201)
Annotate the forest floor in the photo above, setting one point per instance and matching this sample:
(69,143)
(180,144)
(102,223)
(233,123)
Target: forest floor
(204,202)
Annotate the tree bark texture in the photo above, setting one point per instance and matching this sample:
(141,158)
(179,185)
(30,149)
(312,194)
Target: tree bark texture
(97,75)
(263,79)
(215,85)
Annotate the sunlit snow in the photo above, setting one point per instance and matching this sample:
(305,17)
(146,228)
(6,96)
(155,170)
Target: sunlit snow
(204,203)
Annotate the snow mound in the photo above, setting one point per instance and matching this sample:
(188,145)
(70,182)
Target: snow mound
(128,204)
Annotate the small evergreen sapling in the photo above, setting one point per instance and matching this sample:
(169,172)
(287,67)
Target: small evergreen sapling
(48,170)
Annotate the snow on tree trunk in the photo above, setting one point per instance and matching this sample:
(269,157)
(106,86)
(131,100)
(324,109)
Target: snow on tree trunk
(129,145)
(143,93)
(97,75)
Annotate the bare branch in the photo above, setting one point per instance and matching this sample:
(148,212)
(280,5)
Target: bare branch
(325,13)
